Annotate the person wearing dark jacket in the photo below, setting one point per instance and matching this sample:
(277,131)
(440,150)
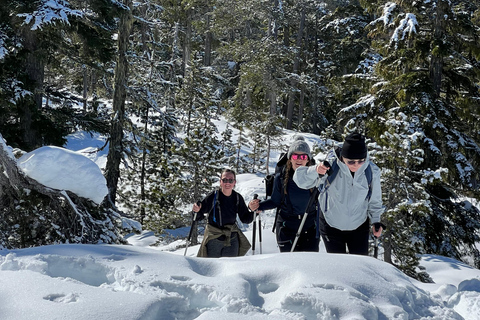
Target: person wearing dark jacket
(292,203)
(222,236)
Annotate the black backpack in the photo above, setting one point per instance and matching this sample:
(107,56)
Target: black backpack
(278,169)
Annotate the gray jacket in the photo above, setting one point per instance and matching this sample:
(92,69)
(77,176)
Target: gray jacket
(344,204)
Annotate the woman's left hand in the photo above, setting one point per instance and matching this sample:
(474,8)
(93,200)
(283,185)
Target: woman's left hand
(254,204)
(378,233)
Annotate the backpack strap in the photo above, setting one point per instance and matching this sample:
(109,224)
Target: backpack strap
(332,174)
(214,205)
(333,171)
(369,174)
(238,200)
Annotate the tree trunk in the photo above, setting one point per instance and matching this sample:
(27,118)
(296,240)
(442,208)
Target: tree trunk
(115,152)
(35,69)
(85,87)
(436,62)
(301,106)
(273,103)
(187,48)
(296,67)
(207,61)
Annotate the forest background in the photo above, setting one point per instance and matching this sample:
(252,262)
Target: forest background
(152,75)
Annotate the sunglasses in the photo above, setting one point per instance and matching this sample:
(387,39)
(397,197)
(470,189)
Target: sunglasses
(296,156)
(352,162)
(225,180)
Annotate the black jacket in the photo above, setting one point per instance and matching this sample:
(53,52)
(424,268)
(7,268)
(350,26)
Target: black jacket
(292,205)
(225,210)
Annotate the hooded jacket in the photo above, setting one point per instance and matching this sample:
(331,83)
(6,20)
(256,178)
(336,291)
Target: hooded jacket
(345,205)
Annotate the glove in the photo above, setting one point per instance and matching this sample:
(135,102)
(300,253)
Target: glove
(377,226)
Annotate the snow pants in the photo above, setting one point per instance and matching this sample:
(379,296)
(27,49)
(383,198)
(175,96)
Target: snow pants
(337,241)
(308,240)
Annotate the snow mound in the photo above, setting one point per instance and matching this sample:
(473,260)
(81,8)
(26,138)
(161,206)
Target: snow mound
(62,169)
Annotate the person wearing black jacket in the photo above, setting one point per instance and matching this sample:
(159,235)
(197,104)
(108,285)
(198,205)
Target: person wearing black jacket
(222,236)
(292,203)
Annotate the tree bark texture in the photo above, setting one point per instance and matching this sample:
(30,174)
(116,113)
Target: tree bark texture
(436,62)
(296,66)
(29,107)
(115,152)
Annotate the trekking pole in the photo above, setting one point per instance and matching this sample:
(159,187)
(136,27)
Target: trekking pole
(260,231)
(375,247)
(255,196)
(312,199)
(375,244)
(191,229)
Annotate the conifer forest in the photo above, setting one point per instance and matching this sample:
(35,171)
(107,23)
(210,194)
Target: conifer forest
(154,75)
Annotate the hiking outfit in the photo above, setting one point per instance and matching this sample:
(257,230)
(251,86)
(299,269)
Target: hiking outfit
(350,203)
(291,203)
(222,236)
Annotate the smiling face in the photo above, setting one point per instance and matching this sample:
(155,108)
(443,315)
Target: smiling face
(298,159)
(227,183)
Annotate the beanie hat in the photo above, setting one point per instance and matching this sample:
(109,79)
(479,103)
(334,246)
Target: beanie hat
(354,147)
(300,145)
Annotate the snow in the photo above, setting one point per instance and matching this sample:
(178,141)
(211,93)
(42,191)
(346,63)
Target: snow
(142,281)
(63,169)
(50,12)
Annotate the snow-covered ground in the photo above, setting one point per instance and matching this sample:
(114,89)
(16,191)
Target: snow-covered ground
(138,281)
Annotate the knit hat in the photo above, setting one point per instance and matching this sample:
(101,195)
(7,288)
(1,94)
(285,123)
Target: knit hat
(354,147)
(300,145)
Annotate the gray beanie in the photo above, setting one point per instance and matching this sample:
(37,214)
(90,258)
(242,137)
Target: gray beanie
(300,145)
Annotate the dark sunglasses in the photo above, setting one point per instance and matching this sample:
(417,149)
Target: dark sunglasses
(296,156)
(352,162)
(225,180)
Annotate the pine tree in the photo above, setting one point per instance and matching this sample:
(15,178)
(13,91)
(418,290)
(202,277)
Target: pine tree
(39,38)
(414,113)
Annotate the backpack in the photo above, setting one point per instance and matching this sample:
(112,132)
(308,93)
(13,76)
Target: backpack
(216,204)
(282,161)
(332,173)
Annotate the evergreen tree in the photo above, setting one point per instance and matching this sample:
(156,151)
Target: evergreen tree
(415,113)
(39,35)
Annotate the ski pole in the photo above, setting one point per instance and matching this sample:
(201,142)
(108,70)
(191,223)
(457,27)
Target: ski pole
(191,229)
(255,196)
(260,231)
(375,244)
(312,199)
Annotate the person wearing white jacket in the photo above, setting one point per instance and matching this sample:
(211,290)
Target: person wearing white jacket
(349,205)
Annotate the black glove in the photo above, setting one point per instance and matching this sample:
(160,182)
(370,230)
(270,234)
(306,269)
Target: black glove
(327,164)
(377,226)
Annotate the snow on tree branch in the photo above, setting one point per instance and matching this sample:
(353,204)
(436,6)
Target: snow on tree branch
(407,25)
(3,49)
(386,17)
(50,12)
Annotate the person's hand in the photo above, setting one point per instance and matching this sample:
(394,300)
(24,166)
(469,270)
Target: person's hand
(377,229)
(196,207)
(323,167)
(254,204)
